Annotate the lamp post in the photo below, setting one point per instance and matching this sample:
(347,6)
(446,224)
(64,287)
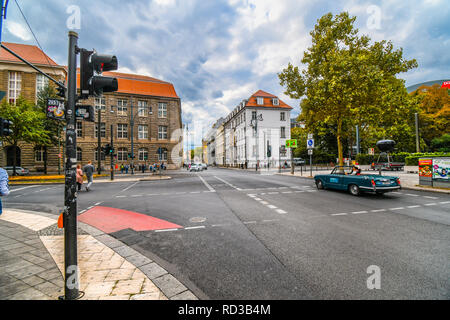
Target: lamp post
(254,124)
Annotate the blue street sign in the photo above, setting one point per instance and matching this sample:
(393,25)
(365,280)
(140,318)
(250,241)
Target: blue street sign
(310,143)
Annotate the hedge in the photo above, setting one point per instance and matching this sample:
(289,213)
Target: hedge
(413,160)
(410,159)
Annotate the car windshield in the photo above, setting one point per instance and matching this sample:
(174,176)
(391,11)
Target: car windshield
(344,170)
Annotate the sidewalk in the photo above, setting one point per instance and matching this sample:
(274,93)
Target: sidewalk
(32,262)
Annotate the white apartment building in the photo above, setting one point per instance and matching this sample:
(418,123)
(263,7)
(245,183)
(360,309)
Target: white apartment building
(255,132)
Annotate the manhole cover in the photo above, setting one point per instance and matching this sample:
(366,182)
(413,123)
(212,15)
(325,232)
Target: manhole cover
(197,219)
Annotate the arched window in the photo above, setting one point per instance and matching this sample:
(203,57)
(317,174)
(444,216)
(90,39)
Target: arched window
(39,154)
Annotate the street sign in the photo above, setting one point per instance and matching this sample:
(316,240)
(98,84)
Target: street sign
(310,136)
(371,151)
(310,144)
(56,109)
(310,152)
(291,143)
(85,113)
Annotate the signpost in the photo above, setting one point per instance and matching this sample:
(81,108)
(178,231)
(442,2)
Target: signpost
(371,151)
(290,144)
(310,146)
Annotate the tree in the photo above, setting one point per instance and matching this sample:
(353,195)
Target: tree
(347,81)
(53,127)
(27,125)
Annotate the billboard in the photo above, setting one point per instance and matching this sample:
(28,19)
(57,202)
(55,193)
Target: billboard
(441,168)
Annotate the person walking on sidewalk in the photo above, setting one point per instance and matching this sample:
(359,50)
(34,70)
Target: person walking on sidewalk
(89,171)
(79,177)
(4,186)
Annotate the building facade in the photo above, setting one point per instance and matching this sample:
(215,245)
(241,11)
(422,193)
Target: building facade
(255,132)
(143,116)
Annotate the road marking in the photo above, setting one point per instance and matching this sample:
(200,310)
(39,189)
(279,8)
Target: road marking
(411,195)
(197,227)
(273,220)
(412,207)
(287,192)
(428,197)
(250,222)
(258,199)
(191,192)
(226,182)
(272,206)
(136,195)
(206,183)
(252,195)
(14,190)
(264,202)
(358,212)
(430,204)
(379,210)
(444,202)
(273,193)
(281,211)
(166,230)
(399,208)
(339,214)
(129,187)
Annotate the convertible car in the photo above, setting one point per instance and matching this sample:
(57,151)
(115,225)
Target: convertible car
(346,178)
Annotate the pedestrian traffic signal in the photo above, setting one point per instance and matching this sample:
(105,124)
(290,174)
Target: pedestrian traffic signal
(61,92)
(269,151)
(5,127)
(92,66)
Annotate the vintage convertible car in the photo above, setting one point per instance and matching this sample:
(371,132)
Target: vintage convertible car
(345,178)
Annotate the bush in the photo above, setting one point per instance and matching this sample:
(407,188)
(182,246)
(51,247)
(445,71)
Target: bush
(413,160)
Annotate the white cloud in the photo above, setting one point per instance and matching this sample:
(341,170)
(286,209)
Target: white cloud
(18,30)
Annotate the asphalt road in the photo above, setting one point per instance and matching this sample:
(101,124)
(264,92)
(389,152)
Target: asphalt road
(252,236)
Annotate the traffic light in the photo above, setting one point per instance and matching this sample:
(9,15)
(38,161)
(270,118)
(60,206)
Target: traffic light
(61,92)
(92,66)
(106,149)
(5,127)
(269,151)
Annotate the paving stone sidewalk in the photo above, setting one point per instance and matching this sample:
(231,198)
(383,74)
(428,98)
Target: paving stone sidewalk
(32,262)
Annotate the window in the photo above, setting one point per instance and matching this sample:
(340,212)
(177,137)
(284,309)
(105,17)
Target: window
(39,154)
(254,151)
(260,101)
(275,102)
(122,154)
(282,116)
(122,131)
(14,86)
(121,107)
(163,155)
(79,129)
(102,130)
(79,155)
(142,132)
(162,132)
(100,103)
(162,110)
(142,108)
(103,156)
(41,83)
(283,132)
(254,115)
(143,154)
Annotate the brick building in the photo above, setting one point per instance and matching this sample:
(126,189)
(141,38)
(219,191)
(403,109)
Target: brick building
(153,105)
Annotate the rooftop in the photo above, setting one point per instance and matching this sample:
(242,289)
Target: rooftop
(29,52)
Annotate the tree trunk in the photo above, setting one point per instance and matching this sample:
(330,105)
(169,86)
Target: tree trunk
(339,142)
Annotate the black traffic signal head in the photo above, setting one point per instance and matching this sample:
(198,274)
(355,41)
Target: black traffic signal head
(61,91)
(5,127)
(269,151)
(92,65)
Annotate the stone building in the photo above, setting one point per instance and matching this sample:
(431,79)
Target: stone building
(153,105)
(18,79)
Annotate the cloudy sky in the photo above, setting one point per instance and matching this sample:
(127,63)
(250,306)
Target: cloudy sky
(219,52)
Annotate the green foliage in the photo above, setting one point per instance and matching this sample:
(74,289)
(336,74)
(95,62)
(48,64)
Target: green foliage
(441,144)
(413,160)
(348,82)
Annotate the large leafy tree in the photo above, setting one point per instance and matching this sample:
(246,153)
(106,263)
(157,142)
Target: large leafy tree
(347,81)
(27,124)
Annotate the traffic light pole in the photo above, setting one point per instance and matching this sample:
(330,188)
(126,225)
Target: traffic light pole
(71,286)
(112,153)
(132,137)
(99,141)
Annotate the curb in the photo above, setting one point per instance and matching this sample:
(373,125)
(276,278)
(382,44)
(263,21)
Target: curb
(31,183)
(172,288)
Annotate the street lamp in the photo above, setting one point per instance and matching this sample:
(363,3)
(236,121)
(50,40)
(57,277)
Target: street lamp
(254,125)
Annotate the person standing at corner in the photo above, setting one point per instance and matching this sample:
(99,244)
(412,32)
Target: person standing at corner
(89,171)
(79,177)
(4,186)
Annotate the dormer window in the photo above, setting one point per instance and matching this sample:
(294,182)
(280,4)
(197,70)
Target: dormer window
(260,101)
(276,102)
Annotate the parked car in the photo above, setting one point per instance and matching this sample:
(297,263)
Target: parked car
(204,166)
(19,171)
(344,178)
(299,161)
(196,167)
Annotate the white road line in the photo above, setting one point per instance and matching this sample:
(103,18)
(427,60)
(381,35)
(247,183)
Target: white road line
(428,197)
(359,212)
(98,203)
(197,227)
(206,183)
(281,211)
(258,199)
(249,222)
(287,192)
(412,207)
(273,193)
(264,202)
(430,204)
(194,192)
(19,189)
(226,182)
(411,195)
(273,220)
(299,191)
(444,202)
(272,206)
(131,186)
(166,230)
(379,210)
(399,208)
(252,195)
(339,214)
(136,195)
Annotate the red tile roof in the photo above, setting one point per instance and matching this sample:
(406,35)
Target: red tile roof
(140,85)
(30,53)
(252,101)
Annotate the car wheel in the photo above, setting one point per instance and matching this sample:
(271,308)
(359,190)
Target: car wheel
(319,185)
(354,190)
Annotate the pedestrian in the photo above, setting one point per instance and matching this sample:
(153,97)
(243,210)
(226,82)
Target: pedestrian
(143,168)
(4,186)
(79,177)
(126,169)
(89,171)
(122,168)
